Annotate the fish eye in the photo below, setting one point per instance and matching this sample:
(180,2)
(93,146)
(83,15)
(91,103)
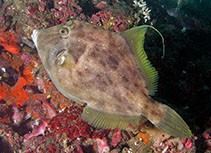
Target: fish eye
(64,31)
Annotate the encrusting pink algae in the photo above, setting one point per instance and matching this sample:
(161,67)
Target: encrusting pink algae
(35,117)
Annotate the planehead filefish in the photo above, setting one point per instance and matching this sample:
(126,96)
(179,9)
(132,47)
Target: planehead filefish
(108,71)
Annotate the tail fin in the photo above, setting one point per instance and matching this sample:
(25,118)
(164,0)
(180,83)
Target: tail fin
(171,123)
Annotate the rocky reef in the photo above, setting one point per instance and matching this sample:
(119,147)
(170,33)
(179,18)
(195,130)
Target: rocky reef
(35,117)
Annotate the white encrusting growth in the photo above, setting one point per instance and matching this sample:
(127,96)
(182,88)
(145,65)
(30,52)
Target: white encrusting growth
(144,10)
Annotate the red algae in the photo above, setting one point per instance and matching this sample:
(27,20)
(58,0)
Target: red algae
(110,21)
(70,122)
(187,142)
(143,136)
(116,137)
(9,41)
(16,94)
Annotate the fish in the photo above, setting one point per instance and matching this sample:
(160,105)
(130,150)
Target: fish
(188,23)
(173,12)
(109,72)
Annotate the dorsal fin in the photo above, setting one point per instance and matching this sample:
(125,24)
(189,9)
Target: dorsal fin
(135,38)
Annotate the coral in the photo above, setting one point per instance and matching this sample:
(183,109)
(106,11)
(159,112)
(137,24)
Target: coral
(207,137)
(143,10)
(51,112)
(187,142)
(110,21)
(39,130)
(102,146)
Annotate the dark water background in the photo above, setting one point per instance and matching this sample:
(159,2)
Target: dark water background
(185,72)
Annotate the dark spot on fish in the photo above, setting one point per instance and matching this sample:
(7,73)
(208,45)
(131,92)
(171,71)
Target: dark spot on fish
(102,63)
(78,34)
(132,71)
(121,51)
(130,108)
(75,84)
(54,39)
(145,107)
(103,79)
(155,113)
(77,51)
(89,37)
(96,48)
(118,106)
(117,96)
(124,78)
(121,99)
(112,62)
(136,85)
(79,26)
(79,73)
(109,80)
(99,82)
(93,54)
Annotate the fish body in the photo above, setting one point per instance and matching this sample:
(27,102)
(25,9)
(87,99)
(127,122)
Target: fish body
(173,12)
(109,72)
(186,22)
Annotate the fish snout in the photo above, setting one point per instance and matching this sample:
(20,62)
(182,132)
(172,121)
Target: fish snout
(34,36)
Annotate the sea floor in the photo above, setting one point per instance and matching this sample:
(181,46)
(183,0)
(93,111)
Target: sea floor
(35,117)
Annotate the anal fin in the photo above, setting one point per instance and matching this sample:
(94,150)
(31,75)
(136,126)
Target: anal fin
(108,121)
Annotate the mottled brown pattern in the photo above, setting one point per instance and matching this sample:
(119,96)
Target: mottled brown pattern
(78,51)
(102,63)
(155,113)
(106,76)
(99,69)
(124,78)
(112,62)
(93,54)
(112,41)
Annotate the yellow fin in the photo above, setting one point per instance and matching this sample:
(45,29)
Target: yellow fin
(135,38)
(108,121)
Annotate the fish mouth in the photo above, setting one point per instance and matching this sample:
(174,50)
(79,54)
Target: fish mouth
(34,36)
